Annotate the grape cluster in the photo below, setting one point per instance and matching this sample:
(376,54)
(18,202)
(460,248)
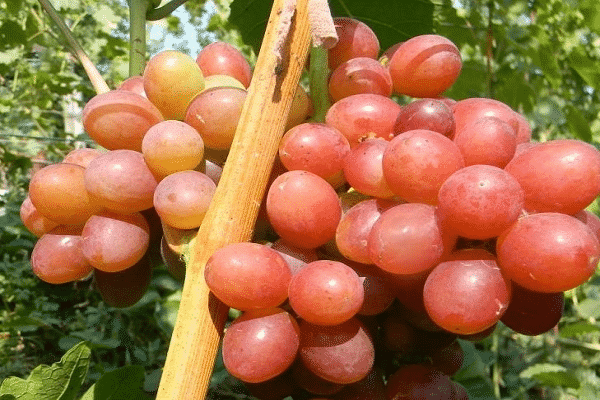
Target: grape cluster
(392,230)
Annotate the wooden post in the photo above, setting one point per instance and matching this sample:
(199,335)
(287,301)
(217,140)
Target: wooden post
(234,208)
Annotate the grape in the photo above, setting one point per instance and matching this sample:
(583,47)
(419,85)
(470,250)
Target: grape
(119,119)
(57,257)
(407,239)
(449,359)
(430,114)
(480,202)
(479,336)
(82,156)
(173,261)
(300,110)
(58,192)
(313,383)
(172,146)
(214,81)
(215,113)
(182,199)
(416,164)
(523,130)
(591,220)
(418,381)
(355,39)
(370,387)
(113,242)
(398,335)
(303,209)
(124,288)
(35,222)
(314,147)
(466,296)
(363,168)
(171,80)
(353,230)
(341,353)
(468,110)
(425,66)
(360,75)
(295,257)
(522,147)
(548,252)
(260,344)
(378,296)
(362,116)
(246,276)
(276,388)
(558,176)
(121,181)
(134,84)
(326,292)
(470,254)
(410,291)
(387,55)
(220,58)
(487,140)
(533,313)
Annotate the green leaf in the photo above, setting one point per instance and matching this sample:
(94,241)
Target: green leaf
(60,381)
(578,123)
(12,34)
(585,67)
(591,14)
(392,21)
(473,365)
(125,383)
(551,375)
(589,308)
(578,328)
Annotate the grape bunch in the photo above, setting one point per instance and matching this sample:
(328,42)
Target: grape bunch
(389,230)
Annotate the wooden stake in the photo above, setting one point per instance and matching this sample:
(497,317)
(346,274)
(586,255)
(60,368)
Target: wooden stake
(235,205)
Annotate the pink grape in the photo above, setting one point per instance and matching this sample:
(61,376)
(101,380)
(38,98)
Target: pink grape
(326,292)
(248,276)
(260,344)
(303,209)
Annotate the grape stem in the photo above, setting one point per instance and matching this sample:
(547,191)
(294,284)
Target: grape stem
(318,81)
(164,11)
(96,79)
(137,36)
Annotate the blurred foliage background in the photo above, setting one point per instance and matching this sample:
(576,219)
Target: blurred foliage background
(540,57)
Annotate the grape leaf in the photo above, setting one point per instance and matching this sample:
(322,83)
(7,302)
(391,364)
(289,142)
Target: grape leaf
(392,21)
(578,123)
(60,381)
(550,375)
(121,384)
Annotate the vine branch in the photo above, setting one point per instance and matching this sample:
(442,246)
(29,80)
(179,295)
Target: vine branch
(90,69)
(164,11)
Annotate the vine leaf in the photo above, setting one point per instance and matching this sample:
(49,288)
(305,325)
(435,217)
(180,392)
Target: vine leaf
(60,381)
(392,21)
(122,383)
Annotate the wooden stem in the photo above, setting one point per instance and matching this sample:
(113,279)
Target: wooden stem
(235,205)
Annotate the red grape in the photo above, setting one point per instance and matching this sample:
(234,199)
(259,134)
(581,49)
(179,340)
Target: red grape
(260,344)
(363,168)
(466,296)
(480,202)
(362,116)
(355,39)
(220,58)
(487,140)
(548,252)
(57,257)
(113,242)
(425,66)
(558,176)
(416,164)
(303,209)
(248,276)
(341,353)
(430,114)
(360,75)
(326,292)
